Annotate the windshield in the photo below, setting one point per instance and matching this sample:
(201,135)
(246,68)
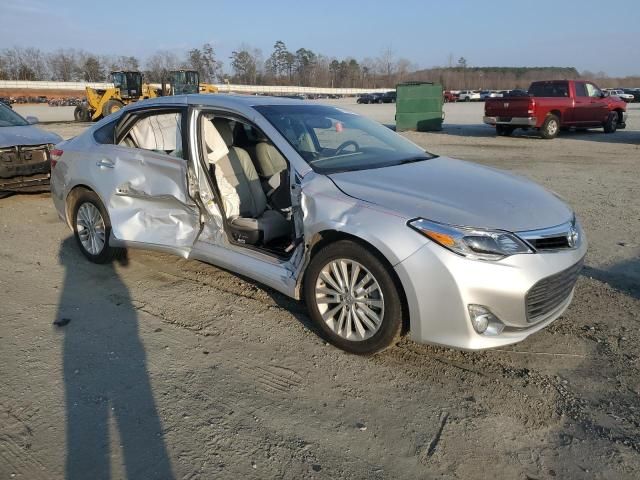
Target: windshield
(334,140)
(9,118)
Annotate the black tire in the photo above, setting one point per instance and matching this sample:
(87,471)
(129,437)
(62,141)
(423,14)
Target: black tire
(107,253)
(504,130)
(467,99)
(611,125)
(110,107)
(550,127)
(77,113)
(390,328)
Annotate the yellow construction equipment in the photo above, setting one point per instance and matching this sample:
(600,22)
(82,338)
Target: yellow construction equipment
(128,88)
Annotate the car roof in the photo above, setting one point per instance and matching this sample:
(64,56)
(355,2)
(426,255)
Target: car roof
(242,103)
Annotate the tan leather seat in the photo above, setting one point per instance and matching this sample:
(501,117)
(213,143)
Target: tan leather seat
(269,160)
(239,184)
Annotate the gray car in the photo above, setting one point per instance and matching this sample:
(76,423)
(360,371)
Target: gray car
(24,153)
(379,237)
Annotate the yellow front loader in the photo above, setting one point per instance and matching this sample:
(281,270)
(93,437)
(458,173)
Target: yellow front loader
(127,88)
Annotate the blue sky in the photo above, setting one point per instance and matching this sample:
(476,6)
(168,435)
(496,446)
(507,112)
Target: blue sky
(590,35)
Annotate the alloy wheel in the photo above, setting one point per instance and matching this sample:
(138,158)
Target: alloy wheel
(91,229)
(349,299)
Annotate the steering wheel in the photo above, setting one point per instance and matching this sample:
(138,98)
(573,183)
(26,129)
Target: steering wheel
(344,145)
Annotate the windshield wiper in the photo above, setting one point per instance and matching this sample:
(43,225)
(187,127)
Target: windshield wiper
(418,158)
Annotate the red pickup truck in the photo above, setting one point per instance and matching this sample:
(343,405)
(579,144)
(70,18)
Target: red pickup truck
(556,105)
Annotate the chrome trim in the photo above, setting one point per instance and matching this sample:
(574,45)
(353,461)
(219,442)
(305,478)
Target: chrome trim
(549,294)
(570,230)
(515,121)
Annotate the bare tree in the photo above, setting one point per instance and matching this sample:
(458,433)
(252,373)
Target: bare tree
(64,65)
(387,62)
(159,64)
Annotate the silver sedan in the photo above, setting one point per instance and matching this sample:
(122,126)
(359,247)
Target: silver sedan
(379,237)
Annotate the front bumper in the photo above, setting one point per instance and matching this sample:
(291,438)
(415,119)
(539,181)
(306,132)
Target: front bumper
(439,286)
(514,121)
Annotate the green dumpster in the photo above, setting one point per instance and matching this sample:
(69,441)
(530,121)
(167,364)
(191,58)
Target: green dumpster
(419,106)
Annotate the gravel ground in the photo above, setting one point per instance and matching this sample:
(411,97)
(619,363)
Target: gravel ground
(175,369)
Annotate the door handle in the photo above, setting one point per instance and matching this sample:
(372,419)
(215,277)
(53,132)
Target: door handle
(105,163)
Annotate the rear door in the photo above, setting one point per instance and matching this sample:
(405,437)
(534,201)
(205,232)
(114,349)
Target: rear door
(143,180)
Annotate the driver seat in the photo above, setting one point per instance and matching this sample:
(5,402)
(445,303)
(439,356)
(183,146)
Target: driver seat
(249,217)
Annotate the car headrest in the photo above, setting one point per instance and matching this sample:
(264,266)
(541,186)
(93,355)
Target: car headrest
(222,125)
(216,146)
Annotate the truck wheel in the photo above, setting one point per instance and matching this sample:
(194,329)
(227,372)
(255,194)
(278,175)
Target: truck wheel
(467,99)
(81,114)
(550,127)
(611,124)
(504,130)
(110,107)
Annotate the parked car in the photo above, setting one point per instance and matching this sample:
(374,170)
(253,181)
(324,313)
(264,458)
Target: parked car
(449,96)
(371,98)
(554,105)
(627,97)
(378,236)
(365,98)
(389,97)
(633,91)
(24,153)
(516,92)
(469,96)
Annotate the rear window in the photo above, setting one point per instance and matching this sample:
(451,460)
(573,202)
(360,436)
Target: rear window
(560,89)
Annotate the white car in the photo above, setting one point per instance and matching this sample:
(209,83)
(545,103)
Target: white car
(627,97)
(469,95)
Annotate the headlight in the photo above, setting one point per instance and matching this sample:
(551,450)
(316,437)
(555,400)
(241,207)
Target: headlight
(474,243)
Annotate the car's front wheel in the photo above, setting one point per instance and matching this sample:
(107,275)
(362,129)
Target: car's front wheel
(92,228)
(352,297)
(611,125)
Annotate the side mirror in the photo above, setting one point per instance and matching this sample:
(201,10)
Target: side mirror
(32,120)
(603,94)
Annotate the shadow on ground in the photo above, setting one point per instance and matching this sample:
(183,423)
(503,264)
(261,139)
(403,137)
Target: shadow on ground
(623,276)
(105,375)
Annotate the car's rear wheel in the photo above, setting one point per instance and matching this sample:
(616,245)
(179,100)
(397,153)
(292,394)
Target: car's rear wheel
(550,127)
(611,125)
(92,228)
(353,299)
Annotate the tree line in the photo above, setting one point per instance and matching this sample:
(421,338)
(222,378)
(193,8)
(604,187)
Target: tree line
(246,65)
(282,66)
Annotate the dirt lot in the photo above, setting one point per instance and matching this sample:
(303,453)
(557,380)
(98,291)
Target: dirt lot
(175,369)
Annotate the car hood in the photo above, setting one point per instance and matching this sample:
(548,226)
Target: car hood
(457,193)
(26,135)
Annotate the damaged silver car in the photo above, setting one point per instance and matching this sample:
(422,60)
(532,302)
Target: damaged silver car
(379,237)
(24,153)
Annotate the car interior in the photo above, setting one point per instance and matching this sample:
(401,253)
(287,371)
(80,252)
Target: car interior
(161,133)
(252,179)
